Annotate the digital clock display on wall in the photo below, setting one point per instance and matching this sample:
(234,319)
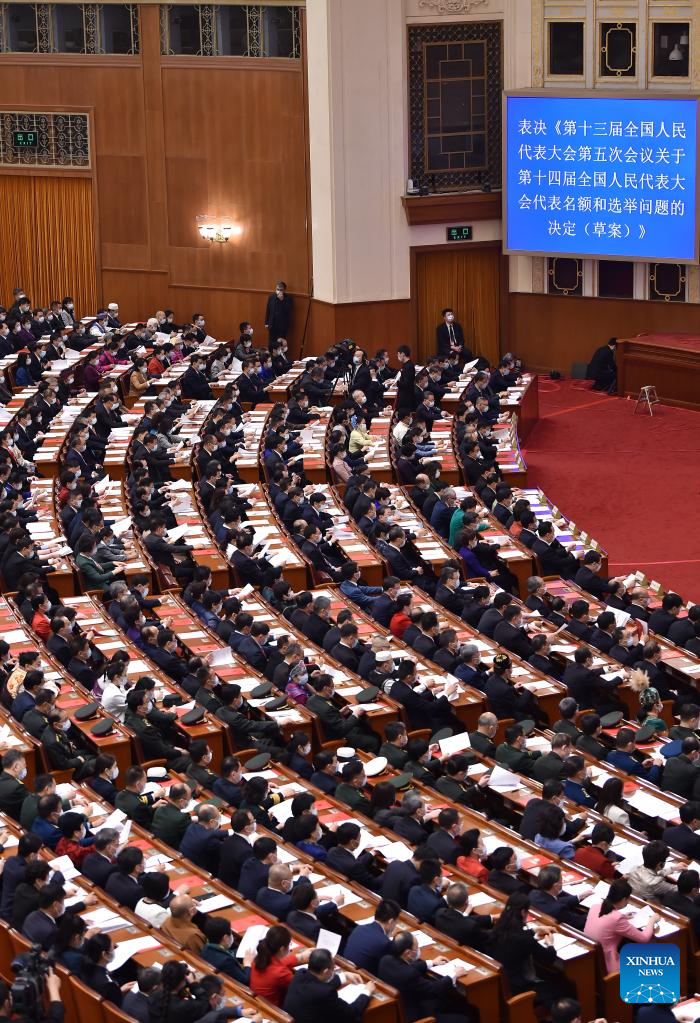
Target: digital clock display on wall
(25,139)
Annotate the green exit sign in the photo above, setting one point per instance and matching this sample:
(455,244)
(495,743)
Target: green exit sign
(25,139)
(463,233)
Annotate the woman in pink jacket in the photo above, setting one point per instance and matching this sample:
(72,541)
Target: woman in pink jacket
(608,925)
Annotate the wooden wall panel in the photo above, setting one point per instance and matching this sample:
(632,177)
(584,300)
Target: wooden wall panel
(250,168)
(372,325)
(552,332)
(125,222)
(173,138)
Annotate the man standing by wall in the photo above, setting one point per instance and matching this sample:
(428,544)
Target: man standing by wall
(278,314)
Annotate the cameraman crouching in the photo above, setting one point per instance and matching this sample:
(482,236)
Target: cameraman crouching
(55,1012)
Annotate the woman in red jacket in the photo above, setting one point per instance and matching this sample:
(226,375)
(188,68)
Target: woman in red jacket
(273,966)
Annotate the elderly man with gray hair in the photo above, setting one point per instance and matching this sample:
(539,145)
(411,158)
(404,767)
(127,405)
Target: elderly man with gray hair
(469,669)
(410,820)
(458,921)
(568,709)
(549,898)
(536,593)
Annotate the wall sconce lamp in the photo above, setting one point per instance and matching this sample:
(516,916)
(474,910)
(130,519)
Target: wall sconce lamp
(217,232)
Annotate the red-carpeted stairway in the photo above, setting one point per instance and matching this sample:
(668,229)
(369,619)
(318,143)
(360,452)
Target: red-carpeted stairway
(631,482)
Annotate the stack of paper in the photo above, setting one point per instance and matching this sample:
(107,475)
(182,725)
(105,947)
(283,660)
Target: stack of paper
(351,992)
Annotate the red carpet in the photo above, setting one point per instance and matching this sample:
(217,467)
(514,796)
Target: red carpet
(629,481)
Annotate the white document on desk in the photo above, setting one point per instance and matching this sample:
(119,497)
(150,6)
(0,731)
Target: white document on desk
(447,969)
(219,901)
(218,658)
(282,812)
(503,780)
(652,806)
(480,899)
(351,992)
(124,950)
(333,891)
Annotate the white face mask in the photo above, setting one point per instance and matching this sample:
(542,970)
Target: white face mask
(65,725)
(22,774)
(114,773)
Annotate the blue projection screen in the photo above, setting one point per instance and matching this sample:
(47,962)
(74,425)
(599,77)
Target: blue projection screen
(611,177)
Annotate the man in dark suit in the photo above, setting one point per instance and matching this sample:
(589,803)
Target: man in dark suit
(683,629)
(101,863)
(385,607)
(443,841)
(313,993)
(685,898)
(161,647)
(549,898)
(510,633)
(450,337)
(123,884)
(250,384)
(401,875)
(255,870)
(447,591)
(194,381)
(343,859)
(683,836)
(278,315)
(406,397)
(602,369)
(319,620)
(589,579)
(302,916)
(252,647)
(422,707)
(554,557)
(15,870)
(21,561)
(347,650)
(41,926)
(454,920)
(274,897)
(663,618)
(369,942)
(494,614)
(420,996)
(236,849)
(174,556)
(587,686)
(317,552)
(578,624)
(425,642)
(530,823)
(528,533)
